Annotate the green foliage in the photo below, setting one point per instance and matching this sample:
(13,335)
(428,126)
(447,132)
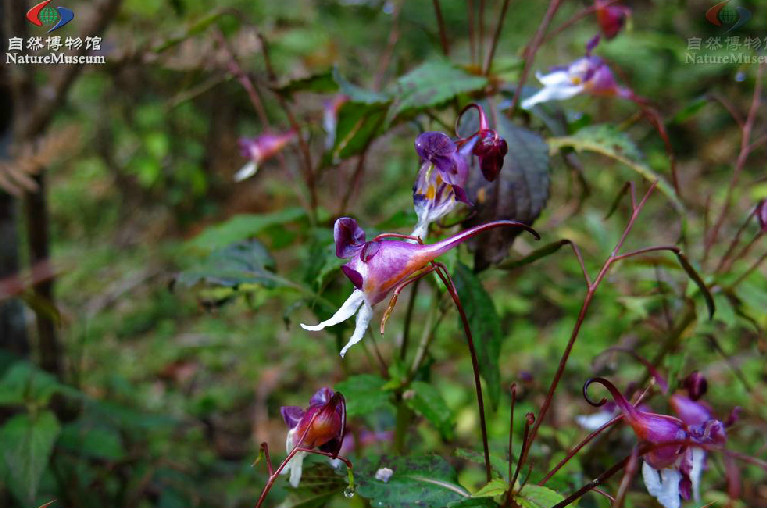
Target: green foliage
(364,394)
(430,84)
(610,142)
(426,400)
(425,480)
(26,444)
(485,327)
(536,496)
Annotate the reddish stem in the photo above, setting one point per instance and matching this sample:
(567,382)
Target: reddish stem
(443,274)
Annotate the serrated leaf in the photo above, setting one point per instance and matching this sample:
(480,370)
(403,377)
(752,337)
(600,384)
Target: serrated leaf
(322,82)
(427,481)
(430,84)
(538,496)
(495,487)
(519,193)
(607,140)
(26,443)
(245,262)
(364,394)
(427,401)
(485,328)
(241,227)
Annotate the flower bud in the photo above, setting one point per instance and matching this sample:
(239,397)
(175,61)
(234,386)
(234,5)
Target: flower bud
(696,385)
(611,18)
(491,149)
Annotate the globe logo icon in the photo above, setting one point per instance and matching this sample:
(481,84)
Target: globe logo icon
(728,15)
(48,15)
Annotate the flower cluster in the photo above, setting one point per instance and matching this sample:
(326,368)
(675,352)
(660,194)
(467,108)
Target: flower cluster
(673,465)
(445,169)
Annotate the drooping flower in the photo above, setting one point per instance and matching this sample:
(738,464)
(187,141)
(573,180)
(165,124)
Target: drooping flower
(260,148)
(670,472)
(379,266)
(761,215)
(611,17)
(587,75)
(322,425)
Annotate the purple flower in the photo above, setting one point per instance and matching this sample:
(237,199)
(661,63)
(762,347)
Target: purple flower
(322,425)
(761,215)
(259,149)
(379,266)
(589,75)
(696,385)
(440,181)
(611,18)
(669,472)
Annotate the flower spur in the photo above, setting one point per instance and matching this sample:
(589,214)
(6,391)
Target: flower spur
(384,265)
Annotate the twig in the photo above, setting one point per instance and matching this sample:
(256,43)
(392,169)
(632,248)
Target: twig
(442,30)
(496,36)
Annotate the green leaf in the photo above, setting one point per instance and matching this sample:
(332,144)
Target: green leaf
(427,401)
(23,383)
(364,394)
(610,142)
(430,84)
(245,262)
(495,487)
(26,443)
(499,464)
(358,124)
(322,82)
(485,328)
(519,193)
(474,502)
(92,441)
(426,481)
(358,94)
(242,227)
(536,496)
(319,483)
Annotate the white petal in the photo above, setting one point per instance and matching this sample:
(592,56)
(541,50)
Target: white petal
(346,311)
(552,93)
(560,77)
(663,487)
(246,171)
(593,422)
(295,467)
(363,320)
(421,229)
(698,457)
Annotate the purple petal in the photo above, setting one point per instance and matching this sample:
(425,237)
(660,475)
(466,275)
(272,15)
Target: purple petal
(321,396)
(353,276)
(369,250)
(349,237)
(433,145)
(292,415)
(761,215)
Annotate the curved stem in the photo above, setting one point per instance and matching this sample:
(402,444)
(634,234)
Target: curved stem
(442,272)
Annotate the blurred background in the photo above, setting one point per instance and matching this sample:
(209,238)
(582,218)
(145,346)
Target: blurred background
(125,384)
